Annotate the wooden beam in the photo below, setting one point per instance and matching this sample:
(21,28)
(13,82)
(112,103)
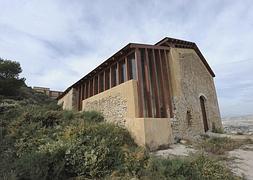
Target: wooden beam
(163,77)
(84,92)
(111,80)
(156,92)
(147,85)
(93,88)
(98,83)
(104,80)
(81,93)
(118,74)
(139,82)
(169,84)
(161,80)
(144,46)
(127,69)
(88,93)
(79,97)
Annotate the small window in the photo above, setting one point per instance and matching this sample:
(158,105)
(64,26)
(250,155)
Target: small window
(189,118)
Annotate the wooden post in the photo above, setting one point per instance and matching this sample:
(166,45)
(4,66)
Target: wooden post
(84,91)
(111,77)
(165,95)
(147,88)
(156,92)
(127,69)
(93,88)
(89,90)
(169,84)
(104,80)
(139,82)
(118,74)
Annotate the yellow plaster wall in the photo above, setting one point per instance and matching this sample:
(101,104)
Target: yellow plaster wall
(153,133)
(67,101)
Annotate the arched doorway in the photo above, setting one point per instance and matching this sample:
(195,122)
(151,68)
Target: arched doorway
(203,110)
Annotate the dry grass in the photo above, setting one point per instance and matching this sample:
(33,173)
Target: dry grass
(220,145)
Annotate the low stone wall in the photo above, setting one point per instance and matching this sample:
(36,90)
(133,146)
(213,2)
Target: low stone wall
(114,108)
(116,104)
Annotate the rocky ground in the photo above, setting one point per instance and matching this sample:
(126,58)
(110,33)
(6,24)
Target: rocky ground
(242,163)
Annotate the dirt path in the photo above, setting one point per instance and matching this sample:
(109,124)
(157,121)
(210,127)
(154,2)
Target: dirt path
(175,150)
(242,165)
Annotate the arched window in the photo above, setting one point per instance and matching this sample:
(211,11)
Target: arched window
(203,110)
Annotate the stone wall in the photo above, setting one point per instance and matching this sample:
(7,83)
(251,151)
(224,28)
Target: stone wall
(192,81)
(114,108)
(116,104)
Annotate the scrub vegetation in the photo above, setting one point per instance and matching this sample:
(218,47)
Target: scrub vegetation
(220,145)
(39,140)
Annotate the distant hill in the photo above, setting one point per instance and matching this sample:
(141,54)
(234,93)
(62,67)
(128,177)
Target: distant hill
(239,118)
(238,124)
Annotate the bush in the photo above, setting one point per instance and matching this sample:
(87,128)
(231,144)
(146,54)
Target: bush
(92,116)
(220,145)
(36,165)
(198,167)
(135,161)
(97,150)
(68,115)
(41,141)
(217,130)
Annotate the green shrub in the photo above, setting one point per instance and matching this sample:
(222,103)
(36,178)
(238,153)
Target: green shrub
(97,150)
(92,116)
(51,118)
(220,145)
(36,165)
(218,130)
(68,115)
(197,167)
(170,169)
(43,142)
(135,161)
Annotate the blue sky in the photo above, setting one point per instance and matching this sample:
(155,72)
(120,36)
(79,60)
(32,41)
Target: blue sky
(59,41)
